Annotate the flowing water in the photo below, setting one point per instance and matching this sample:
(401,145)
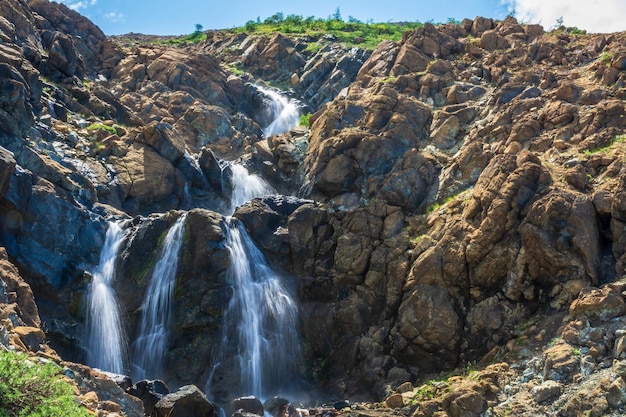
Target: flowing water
(246,186)
(106,343)
(284,113)
(260,322)
(266,315)
(150,346)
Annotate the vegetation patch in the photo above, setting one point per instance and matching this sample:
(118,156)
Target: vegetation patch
(616,140)
(352,32)
(97,126)
(305,120)
(29,388)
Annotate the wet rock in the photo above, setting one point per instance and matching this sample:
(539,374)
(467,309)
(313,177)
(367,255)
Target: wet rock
(276,406)
(250,405)
(187,401)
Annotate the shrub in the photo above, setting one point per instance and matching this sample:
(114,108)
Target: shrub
(305,120)
(32,389)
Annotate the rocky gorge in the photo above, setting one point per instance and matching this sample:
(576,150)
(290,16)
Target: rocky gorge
(452,224)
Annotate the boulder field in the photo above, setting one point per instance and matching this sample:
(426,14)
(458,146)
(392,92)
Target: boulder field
(452,222)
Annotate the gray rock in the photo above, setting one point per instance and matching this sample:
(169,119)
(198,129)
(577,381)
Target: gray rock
(188,401)
(546,391)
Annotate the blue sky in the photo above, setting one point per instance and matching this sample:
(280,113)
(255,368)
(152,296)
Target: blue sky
(161,17)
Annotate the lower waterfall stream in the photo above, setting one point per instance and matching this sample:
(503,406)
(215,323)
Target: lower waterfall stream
(106,343)
(151,342)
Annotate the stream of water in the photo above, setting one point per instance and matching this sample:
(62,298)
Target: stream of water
(268,349)
(156,311)
(284,112)
(106,342)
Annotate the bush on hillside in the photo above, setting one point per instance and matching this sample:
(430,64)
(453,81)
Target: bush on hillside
(31,389)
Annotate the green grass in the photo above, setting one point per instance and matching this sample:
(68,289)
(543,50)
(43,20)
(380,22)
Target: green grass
(96,126)
(606,58)
(191,39)
(353,32)
(31,389)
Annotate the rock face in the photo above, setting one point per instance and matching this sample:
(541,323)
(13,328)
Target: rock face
(448,194)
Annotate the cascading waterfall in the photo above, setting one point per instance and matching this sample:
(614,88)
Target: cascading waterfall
(246,186)
(284,113)
(260,322)
(266,336)
(106,343)
(149,347)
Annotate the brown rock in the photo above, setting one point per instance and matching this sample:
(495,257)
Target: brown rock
(146,178)
(598,304)
(21,308)
(32,337)
(394,401)
(560,363)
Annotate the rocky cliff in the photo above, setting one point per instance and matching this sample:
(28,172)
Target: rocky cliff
(459,190)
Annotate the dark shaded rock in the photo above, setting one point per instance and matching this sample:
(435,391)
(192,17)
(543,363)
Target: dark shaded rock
(276,406)
(150,392)
(7,166)
(249,404)
(16,116)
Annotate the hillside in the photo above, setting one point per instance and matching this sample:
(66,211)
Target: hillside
(450,225)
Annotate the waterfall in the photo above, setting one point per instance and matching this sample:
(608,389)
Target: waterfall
(284,112)
(106,344)
(260,321)
(245,187)
(150,345)
(266,338)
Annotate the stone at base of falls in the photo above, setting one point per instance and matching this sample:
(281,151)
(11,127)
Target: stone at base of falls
(250,404)
(276,406)
(150,393)
(188,401)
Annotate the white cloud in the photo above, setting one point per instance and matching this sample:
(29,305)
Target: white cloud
(115,16)
(591,15)
(77,5)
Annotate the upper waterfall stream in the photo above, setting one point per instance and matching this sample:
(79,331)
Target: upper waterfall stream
(284,112)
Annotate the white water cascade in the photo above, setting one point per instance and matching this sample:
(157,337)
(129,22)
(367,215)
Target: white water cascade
(260,322)
(268,349)
(284,112)
(106,343)
(150,346)
(246,186)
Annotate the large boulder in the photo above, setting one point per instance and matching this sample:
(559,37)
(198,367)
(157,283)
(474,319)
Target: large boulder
(188,401)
